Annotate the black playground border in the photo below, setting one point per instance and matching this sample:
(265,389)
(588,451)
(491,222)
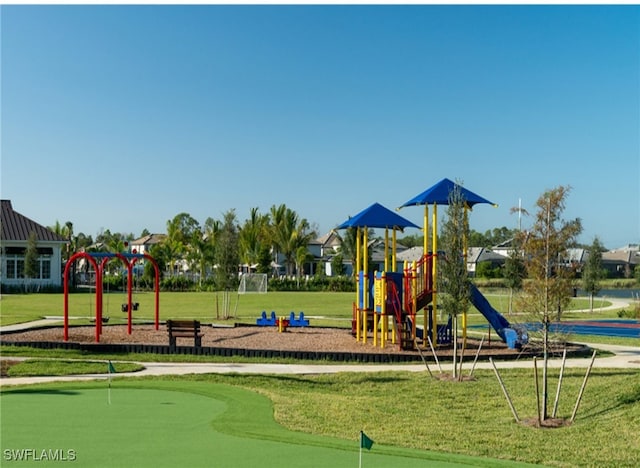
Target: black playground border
(382,358)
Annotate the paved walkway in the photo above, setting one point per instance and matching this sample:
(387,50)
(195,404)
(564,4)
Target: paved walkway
(625,357)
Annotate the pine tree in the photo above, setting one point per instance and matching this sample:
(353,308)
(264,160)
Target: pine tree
(31,269)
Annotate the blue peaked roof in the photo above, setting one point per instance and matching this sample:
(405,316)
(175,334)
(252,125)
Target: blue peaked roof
(439,194)
(377,216)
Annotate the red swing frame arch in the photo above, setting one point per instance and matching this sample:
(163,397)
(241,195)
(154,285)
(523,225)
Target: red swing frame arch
(129,260)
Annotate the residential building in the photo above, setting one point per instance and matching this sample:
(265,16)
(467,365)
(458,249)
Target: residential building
(15,231)
(621,262)
(478,255)
(143,244)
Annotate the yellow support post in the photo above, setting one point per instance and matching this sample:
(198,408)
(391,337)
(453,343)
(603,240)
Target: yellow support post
(434,274)
(394,261)
(383,310)
(365,280)
(425,240)
(375,329)
(385,331)
(386,249)
(414,287)
(358,320)
(425,252)
(377,293)
(358,286)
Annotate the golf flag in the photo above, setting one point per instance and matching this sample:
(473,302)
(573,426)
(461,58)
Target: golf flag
(365,442)
(111,370)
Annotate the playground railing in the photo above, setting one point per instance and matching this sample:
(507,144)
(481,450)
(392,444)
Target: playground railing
(418,281)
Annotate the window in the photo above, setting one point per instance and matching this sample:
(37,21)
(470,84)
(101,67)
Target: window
(20,268)
(11,268)
(15,267)
(45,268)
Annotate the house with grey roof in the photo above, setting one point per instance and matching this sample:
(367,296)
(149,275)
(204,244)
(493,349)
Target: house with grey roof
(621,262)
(15,230)
(478,255)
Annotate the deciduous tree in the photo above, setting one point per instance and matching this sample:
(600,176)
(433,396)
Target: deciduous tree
(226,253)
(592,272)
(545,247)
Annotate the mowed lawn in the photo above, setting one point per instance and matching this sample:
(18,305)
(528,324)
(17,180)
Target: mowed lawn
(174,424)
(324,308)
(329,309)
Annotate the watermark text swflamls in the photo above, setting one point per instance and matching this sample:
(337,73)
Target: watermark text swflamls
(36,455)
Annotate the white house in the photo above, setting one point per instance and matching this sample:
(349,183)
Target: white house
(143,244)
(15,231)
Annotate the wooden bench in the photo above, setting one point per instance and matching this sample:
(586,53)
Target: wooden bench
(184,329)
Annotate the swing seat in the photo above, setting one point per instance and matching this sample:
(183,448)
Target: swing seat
(134,306)
(104,320)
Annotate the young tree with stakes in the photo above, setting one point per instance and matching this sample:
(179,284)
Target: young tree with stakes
(545,247)
(453,278)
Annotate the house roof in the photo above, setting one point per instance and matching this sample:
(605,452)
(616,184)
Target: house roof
(577,255)
(621,256)
(482,254)
(149,239)
(329,240)
(410,255)
(17,227)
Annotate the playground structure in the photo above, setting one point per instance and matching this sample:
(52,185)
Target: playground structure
(401,294)
(129,259)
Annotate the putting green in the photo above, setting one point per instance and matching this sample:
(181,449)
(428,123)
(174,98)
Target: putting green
(175,423)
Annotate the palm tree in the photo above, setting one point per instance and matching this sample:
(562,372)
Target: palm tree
(302,256)
(289,234)
(182,232)
(254,237)
(348,243)
(277,215)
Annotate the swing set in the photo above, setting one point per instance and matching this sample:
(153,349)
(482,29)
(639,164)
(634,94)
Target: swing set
(98,261)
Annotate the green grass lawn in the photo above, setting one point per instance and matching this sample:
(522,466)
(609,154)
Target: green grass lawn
(204,306)
(313,420)
(412,418)
(178,423)
(40,367)
(472,418)
(327,309)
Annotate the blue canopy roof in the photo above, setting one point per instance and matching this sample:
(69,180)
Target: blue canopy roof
(439,194)
(377,216)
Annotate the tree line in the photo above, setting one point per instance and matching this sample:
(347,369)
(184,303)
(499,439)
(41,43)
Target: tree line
(216,248)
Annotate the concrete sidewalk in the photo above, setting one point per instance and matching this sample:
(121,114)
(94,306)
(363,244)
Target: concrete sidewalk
(45,322)
(625,358)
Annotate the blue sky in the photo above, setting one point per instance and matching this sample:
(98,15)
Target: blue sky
(121,117)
